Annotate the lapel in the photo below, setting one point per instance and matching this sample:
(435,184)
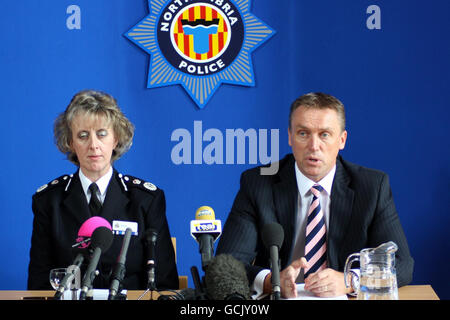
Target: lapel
(75,203)
(115,201)
(285,194)
(340,213)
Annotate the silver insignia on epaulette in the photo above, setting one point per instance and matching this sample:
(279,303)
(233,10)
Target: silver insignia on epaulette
(149,186)
(42,188)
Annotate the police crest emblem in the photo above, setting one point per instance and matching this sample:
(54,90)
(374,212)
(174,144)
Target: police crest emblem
(200,44)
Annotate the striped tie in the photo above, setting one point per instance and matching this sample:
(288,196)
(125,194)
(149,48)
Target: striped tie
(316,242)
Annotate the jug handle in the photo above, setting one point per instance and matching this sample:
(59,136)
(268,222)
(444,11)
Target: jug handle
(351,258)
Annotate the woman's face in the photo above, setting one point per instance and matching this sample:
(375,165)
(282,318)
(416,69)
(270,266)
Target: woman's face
(93,141)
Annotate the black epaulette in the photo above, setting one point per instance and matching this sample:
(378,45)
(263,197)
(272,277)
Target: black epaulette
(63,181)
(133,182)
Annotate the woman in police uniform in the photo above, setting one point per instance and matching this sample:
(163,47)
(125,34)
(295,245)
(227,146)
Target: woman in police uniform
(93,133)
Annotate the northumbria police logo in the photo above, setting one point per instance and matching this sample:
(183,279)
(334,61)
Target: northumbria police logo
(200,44)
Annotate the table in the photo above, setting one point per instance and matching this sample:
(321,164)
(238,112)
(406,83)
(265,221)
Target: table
(412,292)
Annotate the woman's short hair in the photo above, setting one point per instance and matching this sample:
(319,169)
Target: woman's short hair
(93,103)
(319,100)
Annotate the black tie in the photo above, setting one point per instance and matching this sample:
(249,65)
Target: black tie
(94,204)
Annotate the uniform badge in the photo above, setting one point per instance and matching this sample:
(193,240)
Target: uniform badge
(149,186)
(120,227)
(42,188)
(200,44)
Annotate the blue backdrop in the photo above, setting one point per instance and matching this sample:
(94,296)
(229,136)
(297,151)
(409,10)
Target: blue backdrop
(390,67)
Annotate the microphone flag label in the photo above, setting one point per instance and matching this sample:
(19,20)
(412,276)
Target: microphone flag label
(199,44)
(212,227)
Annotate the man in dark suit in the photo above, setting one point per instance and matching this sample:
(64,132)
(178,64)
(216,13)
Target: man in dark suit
(354,206)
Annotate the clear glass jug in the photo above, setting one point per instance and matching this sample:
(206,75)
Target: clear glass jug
(378,278)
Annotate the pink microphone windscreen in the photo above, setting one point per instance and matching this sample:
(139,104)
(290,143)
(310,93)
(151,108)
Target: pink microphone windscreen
(88,227)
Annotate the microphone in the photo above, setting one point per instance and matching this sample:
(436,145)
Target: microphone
(87,228)
(150,239)
(226,279)
(119,270)
(205,230)
(83,241)
(102,239)
(272,237)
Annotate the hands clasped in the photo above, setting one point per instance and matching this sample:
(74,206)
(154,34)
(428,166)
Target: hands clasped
(324,283)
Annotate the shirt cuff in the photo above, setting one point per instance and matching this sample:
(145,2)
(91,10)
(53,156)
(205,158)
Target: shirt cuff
(258,285)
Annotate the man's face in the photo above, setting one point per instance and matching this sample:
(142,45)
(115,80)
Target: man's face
(316,137)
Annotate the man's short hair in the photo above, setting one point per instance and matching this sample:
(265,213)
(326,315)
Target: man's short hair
(319,100)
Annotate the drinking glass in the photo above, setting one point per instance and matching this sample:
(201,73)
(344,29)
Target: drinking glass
(56,275)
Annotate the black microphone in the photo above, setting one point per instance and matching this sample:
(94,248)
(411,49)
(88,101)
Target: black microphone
(226,279)
(119,270)
(272,237)
(101,240)
(150,239)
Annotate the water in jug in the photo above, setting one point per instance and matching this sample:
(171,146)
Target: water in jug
(377,279)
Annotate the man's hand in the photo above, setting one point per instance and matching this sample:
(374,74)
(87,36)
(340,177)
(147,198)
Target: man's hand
(287,279)
(327,283)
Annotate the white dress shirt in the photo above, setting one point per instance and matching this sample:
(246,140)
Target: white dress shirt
(305,196)
(102,184)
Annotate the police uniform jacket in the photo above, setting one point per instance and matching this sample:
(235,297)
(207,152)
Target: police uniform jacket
(60,208)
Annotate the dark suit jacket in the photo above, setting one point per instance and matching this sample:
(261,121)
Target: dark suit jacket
(60,208)
(362,215)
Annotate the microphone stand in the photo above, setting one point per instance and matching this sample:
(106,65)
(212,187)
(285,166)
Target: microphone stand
(151,286)
(199,288)
(75,284)
(276,287)
(145,292)
(91,272)
(150,239)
